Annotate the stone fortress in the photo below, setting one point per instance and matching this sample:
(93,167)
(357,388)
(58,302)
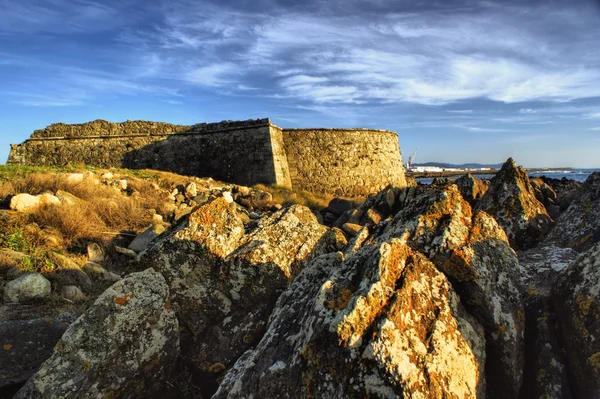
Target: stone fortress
(344,162)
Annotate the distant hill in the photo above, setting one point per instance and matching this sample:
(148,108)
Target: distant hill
(462,166)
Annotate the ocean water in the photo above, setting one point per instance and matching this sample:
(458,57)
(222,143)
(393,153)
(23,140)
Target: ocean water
(574,174)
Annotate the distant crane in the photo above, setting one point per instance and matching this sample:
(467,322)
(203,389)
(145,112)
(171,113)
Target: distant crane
(411,159)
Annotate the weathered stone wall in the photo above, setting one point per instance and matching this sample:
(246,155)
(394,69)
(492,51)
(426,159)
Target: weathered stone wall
(240,152)
(346,162)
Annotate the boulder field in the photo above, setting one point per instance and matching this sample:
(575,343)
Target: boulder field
(454,290)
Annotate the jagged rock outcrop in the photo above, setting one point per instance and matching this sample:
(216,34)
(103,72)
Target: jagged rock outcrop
(510,199)
(577,299)
(225,282)
(351,310)
(25,345)
(579,226)
(545,370)
(471,188)
(545,194)
(384,322)
(124,345)
(566,190)
(473,251)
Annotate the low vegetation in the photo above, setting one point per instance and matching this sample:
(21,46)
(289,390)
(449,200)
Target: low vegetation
(315,201)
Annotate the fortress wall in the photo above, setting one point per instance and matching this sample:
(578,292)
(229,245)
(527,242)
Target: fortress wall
(239,152)
(346,162)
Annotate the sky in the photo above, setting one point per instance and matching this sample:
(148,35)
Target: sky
(461,80)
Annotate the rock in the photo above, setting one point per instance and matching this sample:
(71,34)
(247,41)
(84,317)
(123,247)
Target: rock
(337,206)
(140,242)
(95,253)
(68,198)
(74,178)
(243,190)
(12,260)
(471,188)
(72,293)
(191,190)
(576,296)
(579,226)
(96,271)
(27,202)
(107,176)
(224,283)
(25,345)
(510,199)
(260,199)
(126,251)
(13,273)
(121,184)
(546,195)
(351,229)
(67,272)
(474,253)
(545,373)
(383,323)
(124,345)
(566,190)
(227,196)
(157,219)
(371,217)
(339,239)
(26,287)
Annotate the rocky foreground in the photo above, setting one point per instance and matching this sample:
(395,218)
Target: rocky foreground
(455,290)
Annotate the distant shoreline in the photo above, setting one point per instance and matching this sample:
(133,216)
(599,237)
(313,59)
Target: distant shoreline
(452,173)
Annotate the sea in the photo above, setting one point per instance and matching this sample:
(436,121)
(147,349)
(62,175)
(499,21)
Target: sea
(574,174)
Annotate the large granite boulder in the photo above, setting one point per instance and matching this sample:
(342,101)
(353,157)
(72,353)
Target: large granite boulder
(382,323)
(511,200)
(577,299)
(123,345)
(224,282)
(579,226)
(25,345)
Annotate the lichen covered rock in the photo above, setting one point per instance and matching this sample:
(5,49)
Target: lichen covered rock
(28,286)
(579,226)
(511,200)
(474,253)
(471,188)
(577,299)
(122,345)
(383,322)
(25,345)
(225,282)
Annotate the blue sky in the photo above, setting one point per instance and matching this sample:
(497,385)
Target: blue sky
(462,81)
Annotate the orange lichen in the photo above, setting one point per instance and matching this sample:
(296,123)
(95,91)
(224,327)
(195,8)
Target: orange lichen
(7,347)
(594,361)
(122,300)
(584,303)
(86,365)
(217,368)
(341,302)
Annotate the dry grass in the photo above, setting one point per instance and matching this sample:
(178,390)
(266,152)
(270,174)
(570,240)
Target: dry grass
(315,201)
(101,214)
